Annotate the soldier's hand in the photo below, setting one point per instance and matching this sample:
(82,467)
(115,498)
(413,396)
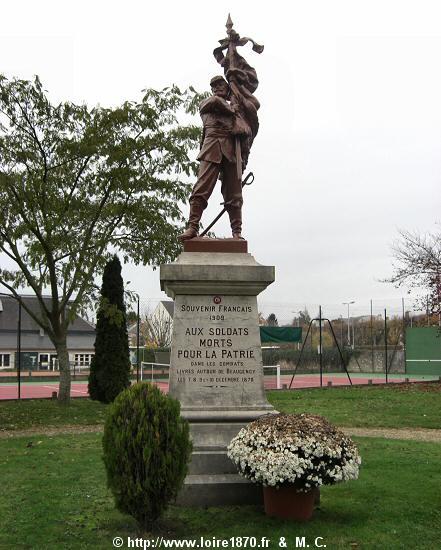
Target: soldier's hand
(237,74)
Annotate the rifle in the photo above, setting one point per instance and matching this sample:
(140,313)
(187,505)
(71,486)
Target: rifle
(247,181)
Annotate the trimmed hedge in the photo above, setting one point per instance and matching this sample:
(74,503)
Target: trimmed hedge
(146,448)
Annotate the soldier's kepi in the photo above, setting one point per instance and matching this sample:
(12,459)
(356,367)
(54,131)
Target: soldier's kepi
(230,124)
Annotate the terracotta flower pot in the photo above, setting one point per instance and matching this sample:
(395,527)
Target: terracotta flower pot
(288,503)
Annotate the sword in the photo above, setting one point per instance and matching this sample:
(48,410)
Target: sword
(247,181)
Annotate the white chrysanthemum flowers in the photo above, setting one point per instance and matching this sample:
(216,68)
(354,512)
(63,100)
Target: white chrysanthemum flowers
(301,450)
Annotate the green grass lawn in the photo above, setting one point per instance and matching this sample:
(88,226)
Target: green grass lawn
(31,413)
(54,495)
(54,491)
(395,406)
(417,406)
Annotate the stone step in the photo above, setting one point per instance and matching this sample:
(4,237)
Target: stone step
(211,435)
(213,461)
(219,490)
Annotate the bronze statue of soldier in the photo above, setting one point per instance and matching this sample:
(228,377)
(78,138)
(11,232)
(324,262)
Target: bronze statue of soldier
(217,157)
(230,124)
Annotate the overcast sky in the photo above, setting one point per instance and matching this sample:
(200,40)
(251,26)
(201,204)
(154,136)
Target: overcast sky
(349,147)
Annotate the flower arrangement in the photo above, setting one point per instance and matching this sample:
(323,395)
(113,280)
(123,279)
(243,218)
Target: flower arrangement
(300,450)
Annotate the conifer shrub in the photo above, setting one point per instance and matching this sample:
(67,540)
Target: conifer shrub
(110,366)
(146,448)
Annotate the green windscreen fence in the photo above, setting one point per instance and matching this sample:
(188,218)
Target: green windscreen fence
(28,360)
(423,350)
(280,335)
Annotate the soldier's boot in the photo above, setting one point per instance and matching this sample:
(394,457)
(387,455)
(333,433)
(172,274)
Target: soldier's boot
(235,214)
(196,209)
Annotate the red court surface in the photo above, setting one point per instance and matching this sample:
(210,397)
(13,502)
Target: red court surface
(38,390)
(34,390)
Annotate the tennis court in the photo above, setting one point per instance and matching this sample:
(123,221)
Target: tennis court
(35,390)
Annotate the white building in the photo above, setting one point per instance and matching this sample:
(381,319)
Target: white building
(37,350)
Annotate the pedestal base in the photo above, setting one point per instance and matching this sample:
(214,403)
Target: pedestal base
(219,490)
(216,364)
(213,479)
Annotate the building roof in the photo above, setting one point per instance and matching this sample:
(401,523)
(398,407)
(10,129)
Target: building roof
(9,316)
(169,306)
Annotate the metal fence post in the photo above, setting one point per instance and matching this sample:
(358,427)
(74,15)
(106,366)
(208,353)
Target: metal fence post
(385,343)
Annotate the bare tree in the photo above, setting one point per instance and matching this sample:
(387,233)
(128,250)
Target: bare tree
(160,325)
(261,319)
(417,264)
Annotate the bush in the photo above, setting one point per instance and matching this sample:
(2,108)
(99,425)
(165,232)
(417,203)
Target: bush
(146,451)
(310,358)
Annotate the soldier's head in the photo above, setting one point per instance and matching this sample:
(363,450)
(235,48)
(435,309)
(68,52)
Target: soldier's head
(219,86)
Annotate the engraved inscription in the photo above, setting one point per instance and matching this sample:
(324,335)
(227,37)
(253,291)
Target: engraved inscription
(215,347)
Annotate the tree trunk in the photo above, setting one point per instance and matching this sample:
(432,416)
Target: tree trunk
(63,362)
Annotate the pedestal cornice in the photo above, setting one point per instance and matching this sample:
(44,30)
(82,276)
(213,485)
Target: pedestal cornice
(205,273)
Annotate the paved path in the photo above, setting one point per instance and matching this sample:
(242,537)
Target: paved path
(416,434)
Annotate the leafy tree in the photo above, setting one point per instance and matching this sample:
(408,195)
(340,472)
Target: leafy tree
(417,264)
(110,367)
(422,320)
(302,320)
(305,318)
(272,321)
(78,184)
(132,317)
(327,340)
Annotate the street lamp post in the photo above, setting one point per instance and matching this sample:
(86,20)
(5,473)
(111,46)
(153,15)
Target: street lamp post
(349,329)
(341,331)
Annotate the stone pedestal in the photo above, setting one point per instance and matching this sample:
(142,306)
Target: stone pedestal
(216,365)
